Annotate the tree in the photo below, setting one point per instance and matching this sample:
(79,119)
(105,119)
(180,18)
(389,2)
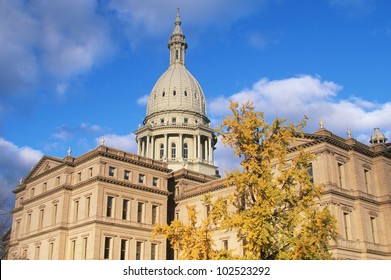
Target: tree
(5,220)
(192,242)
(277,214)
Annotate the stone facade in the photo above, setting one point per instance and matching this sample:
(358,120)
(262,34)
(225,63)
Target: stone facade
(104,204)
(356,181)
(101,205)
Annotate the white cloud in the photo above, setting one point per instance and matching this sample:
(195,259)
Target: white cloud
(122,142)
(149,17)
(256,40)
(143,100)
(91,128)
(15,162)
(354,8)
(310,95)
(225,158)
(64,132)
(61,38)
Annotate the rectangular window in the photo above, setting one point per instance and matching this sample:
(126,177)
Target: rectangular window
(141,178)
(341,175)
(17,227)
(225,244)
(155,181)
(154,214)
(45,187)
(139,250)
(107,248)
(73,249)
(32,191)
(207,210)
(37,251)
(28,225)
(85,248)
(153,251)
(51,249)
(162,121)
(76,210)
(125,209)
(58,181)
(88,206)
(111,171)
(140,212)
(173,120)
(311,173)
(79,177)
(124,247)
(126,175)
(110,204)
(54,218)
(90,172)
(374,230)
(346,221)
(185,120)
(366,178)
(40,222)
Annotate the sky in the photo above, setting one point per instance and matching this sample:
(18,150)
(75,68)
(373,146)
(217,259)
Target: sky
(72,72)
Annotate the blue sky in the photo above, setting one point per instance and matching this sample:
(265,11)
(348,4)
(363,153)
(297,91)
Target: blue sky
(74,71)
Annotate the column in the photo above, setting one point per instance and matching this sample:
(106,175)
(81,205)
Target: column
(152,147)
(180,152)
(199,147)
(165,156)
(142,147)
(138,146)
(148,147)
(210,152)
(194,148)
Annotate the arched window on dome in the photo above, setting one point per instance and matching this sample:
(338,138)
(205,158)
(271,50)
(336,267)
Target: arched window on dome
(185,151)
(185,93)
(174,92)
(163,94)
(161,151)
(173,151)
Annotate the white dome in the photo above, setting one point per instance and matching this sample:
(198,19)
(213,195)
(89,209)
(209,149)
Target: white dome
(176,90)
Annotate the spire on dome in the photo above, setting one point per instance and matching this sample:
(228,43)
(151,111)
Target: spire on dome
(177,43)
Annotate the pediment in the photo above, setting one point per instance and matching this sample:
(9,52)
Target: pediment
(300,141)
(45,164)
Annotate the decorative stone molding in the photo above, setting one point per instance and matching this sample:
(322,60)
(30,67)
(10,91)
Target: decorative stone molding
(347,208)
(366,166)
(373,214)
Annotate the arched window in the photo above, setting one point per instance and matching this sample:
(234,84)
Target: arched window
(173,151)
(161,151)
(185,151)
(185,93)
(163,94)
(174,93)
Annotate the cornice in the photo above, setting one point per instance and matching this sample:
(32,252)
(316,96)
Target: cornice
(202,189)
(345,144)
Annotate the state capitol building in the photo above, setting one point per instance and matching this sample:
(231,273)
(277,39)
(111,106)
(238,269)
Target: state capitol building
(105,203)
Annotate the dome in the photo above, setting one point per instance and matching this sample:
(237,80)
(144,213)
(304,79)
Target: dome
(176,90)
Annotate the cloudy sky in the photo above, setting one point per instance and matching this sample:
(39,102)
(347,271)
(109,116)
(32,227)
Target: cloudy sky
(74,71)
